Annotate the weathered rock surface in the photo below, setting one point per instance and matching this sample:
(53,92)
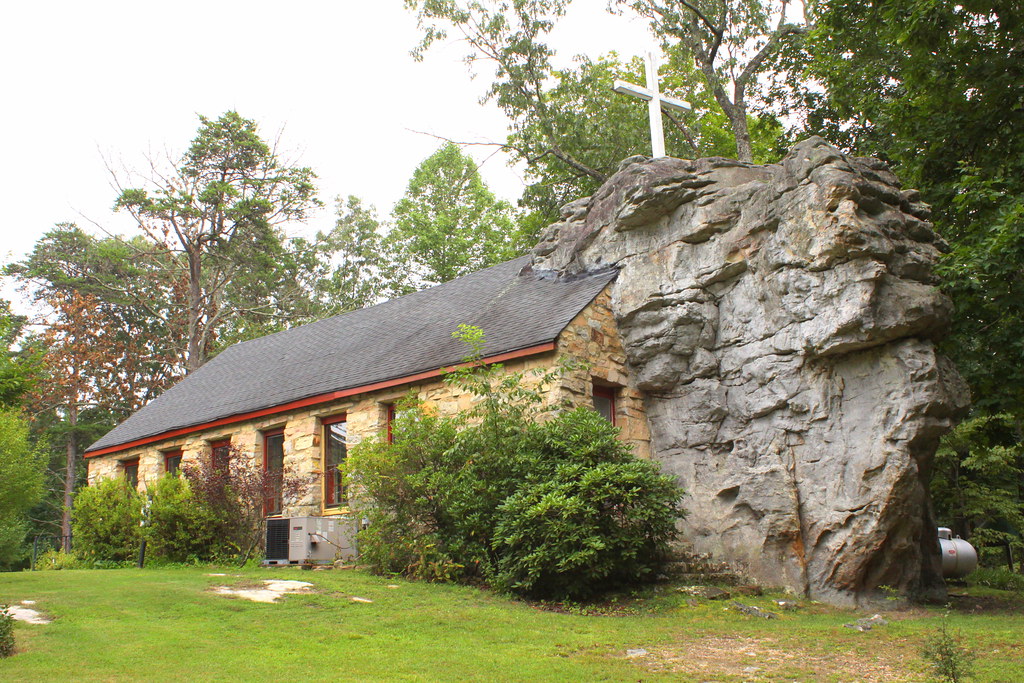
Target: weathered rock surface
(781,320)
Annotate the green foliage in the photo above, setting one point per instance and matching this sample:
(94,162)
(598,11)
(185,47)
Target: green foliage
(449,224)
(601,519)
(949,659)
(22,474)
(1000,579)
(179,527)
(16,371)
(978,485)
(6,632)
(106,521)
(933,87)
(55,560)
(215,219)
(351,267)
(537,504)
(567,126)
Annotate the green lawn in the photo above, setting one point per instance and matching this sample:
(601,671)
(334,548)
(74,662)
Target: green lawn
(164,624)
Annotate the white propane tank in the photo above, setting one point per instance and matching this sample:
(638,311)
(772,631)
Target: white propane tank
(959,558)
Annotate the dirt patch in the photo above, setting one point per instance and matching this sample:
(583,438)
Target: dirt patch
(25,613)
(985,604)
(270,590)
(764,659)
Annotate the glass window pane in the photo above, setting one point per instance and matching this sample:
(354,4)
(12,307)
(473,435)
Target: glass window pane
(334,455)
(275,452)
(274,462)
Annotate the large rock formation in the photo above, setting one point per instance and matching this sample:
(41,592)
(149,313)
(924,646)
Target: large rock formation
(781,320)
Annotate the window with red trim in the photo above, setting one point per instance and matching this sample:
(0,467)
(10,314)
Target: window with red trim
(273,465)
(604,402)
(390,422)
(335,451)
(220,454)
(172,461)
(131,471)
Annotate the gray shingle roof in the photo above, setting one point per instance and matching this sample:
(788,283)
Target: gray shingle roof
(395,339)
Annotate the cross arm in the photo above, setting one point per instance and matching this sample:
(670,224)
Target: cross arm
(626,88)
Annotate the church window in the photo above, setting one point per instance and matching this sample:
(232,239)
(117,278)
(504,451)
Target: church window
(220,454)
(273,465)
(604,402)
(172,461)
(335,450)
(131,471)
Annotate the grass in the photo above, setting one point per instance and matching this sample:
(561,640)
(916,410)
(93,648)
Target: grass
(164,624)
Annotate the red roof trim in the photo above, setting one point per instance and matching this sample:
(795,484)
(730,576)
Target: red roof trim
(314,400)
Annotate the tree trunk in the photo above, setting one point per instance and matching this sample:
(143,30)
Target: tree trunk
(196,353)
(738,121)
(70,475)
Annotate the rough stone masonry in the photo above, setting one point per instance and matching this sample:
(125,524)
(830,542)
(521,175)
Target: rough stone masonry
(781,321)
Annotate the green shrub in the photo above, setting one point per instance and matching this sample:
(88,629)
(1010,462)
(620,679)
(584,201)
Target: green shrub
(1002,579)
(585,530)
(541,505)
(179,527)
(6,632)
(105,521)
(58,559)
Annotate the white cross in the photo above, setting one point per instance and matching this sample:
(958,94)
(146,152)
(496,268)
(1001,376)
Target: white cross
(655,101)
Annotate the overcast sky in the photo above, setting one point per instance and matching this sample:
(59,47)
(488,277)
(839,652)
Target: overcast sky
(117,80)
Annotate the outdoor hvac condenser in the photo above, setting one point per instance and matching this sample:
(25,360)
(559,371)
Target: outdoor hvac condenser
(317,540)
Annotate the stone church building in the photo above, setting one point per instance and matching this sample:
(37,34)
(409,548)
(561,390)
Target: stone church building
(294,400)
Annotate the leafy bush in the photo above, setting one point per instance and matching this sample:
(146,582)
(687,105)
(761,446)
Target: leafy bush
(179,528)
(105,521)
(584,530)
(233,494)
(6,632)
(537,504)
(1001,579)
(58,559)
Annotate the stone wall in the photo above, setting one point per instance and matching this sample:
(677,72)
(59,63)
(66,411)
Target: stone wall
(781,321)
(591,337)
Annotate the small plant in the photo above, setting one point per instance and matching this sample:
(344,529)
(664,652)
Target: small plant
(6,632)
(58,559)
(1001,579)
(948,658)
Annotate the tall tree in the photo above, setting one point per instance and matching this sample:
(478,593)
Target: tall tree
(216,214)
(352,267)
(15,373)
(935,88)
(449,224)
(731,42)
(22,471)
(73,362)
(567,127)
(602,127)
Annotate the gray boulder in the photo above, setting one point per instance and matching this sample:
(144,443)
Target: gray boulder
(782,321)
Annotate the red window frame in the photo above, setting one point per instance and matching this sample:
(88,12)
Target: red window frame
(131,466)
(220,452)
(172,455)
(390,420)
(334,489)
(607,393)
(272,502)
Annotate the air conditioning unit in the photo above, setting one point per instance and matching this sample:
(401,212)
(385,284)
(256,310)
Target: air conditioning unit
(318,540)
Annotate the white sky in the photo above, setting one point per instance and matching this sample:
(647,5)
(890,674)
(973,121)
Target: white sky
(118,79)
